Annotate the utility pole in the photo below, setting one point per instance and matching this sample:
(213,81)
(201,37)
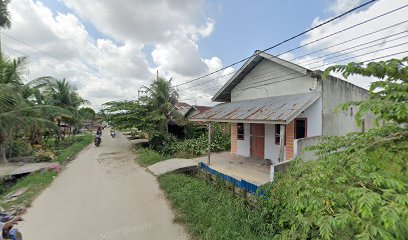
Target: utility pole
(157,75)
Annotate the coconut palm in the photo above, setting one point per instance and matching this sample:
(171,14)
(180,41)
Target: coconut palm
(5,18)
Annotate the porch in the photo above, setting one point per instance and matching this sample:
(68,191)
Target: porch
(239,167)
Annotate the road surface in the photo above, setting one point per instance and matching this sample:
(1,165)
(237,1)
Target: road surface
(102,195)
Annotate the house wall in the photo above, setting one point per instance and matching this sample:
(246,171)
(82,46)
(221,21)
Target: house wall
(336,121)
(244,146)
(289,138)
(276,81)
(271,149)
(234,138)
(314,118)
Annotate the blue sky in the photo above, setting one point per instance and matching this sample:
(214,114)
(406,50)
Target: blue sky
(109,49)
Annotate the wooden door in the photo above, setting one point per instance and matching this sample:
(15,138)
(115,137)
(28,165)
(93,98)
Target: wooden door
(257,140)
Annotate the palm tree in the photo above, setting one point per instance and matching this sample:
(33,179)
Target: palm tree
(17,112)
(161,98)
(5,18)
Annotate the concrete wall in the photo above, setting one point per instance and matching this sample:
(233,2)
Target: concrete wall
(301,144)
(335,93)
(314,118)
(244,146)
(274,79)
(271,149)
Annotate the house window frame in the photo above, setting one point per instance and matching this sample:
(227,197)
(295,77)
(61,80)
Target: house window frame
(240,136)
(277,134)
(294,127)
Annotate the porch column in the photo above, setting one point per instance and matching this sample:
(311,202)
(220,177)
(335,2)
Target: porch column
(209,143)
(282,143)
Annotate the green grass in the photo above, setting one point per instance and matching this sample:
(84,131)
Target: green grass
(37,182)
(147,157)
(80,143)
(211,212)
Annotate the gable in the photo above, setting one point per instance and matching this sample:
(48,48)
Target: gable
(259,71)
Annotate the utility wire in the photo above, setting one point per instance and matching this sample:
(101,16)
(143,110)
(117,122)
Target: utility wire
(286,40)
(335,45)
(322,38)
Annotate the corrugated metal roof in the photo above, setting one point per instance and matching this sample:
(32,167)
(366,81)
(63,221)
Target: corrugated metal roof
(272,109)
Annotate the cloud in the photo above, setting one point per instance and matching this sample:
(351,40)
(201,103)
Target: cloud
(341,6)
(376,45)
(112,67)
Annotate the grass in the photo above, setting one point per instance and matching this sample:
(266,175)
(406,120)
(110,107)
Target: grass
(211,212)
(36,182)
(147,157)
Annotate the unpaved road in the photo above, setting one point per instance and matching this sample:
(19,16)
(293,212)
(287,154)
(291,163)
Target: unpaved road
(102,195)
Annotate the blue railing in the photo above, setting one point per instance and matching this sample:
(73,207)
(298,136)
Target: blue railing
(249,187)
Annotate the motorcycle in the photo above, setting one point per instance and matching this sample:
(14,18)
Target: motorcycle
(10,233)
(98,141)
(113,134)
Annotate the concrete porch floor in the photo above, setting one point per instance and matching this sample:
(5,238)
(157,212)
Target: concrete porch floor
(239,167)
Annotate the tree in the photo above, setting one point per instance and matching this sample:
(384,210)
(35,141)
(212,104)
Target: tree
(5,18)
(17,112)
(161,98)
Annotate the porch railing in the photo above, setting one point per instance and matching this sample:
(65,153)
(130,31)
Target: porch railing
(249,187)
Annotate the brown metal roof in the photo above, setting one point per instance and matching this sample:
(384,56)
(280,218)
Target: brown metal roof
(279,109)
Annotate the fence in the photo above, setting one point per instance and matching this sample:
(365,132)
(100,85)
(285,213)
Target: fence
(249,187)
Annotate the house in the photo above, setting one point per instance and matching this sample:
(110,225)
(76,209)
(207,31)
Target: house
(276,107)
(182,107)
(193,110)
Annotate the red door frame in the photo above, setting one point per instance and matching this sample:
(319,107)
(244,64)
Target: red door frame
(257,140)
(294,127)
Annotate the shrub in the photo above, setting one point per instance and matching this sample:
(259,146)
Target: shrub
(211,212)
(20,147)
(358,189)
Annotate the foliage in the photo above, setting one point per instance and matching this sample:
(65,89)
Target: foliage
(388,95)
(211,212)
(198,146)
(80,143)
(147,157)
(357,189)
(20,147)
(36,182)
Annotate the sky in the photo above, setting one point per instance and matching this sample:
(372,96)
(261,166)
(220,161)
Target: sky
(110,49)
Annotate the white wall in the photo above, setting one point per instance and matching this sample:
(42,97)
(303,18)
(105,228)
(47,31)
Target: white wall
(244,146)
(272,75)
(314,118)
(271,149)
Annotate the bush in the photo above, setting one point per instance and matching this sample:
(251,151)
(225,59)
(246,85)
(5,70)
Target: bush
(44,155)
(198,146)
(357,190)
(20,147)
(211,212)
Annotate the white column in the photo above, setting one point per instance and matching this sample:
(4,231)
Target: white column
(282,143)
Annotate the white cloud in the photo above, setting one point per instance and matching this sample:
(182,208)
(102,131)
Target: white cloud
(104,69)
(358,50)
(341,6)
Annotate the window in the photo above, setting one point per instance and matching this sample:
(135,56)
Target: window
(277,133)
(300,128)
(240,131)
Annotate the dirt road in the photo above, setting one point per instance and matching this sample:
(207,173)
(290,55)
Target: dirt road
(102,194)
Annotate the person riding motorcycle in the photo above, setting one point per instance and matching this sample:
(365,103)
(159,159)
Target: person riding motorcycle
(98,136)
(113,133)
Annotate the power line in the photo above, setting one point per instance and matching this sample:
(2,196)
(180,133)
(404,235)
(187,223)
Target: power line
(286,40)
(368,60)
(327,36)
(340,53)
